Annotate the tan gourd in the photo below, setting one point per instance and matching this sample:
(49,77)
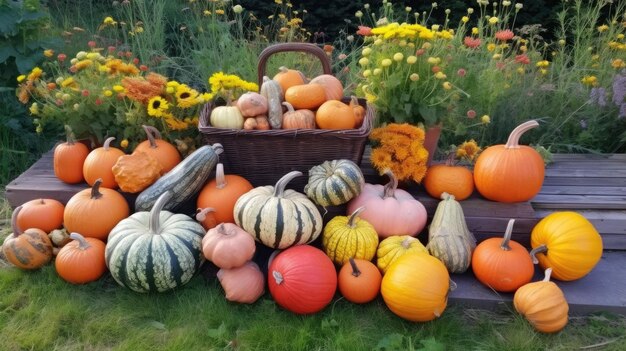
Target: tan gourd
(272,91)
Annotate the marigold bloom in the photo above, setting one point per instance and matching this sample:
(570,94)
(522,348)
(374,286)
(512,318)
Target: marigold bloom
(603,28)
(618,63)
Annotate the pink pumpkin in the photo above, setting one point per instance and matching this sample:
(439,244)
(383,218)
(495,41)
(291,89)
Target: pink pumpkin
(390,210)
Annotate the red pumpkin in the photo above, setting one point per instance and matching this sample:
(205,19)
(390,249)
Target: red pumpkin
(81,261)
(359,281)
(30,249)
(69,158)
(511,172)
(502,264)
(390,210)
(165,153)
(222,193)
(99,164)
(302,279)
(44,214)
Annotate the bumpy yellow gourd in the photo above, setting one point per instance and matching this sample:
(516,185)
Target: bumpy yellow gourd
(345,237)
(394,247)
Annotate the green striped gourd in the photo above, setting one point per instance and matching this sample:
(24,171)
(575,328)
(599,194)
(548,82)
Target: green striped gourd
(276,217)
(449,239)
(334,182)
(349,237)
(156,250)
(184,181)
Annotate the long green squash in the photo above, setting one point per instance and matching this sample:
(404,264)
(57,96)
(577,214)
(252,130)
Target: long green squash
(184,181)
(156,250)
(449,239)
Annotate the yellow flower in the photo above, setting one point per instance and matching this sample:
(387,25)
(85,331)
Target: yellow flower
(590,80)
(157,107)
(491,47)
(367,73)
(618,63)
(34,109)
(434,60)
(386,62)
(21,78)
(485,119)
(440,75)
(366,51)
(67,82)
(447,85)
(108,93)
(364,61)
(48,53)
(474,30)
(109,21)
(186,97)
(398,56)
(207,13)
(118,88)
(603,28)
(411,59)
(219,12)
(35,74)
(124,143)
(543,64)
(414,77)
(464,19)
(494,20)
(468,150)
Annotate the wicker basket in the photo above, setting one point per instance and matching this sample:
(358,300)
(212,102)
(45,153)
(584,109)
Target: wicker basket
(263,156)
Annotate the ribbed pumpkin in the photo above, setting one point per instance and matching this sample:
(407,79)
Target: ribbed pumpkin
(244,284)
(390,210)
(396,246)
(44,214)
(94,212)
(299,119)
(28,249)
(278,218)
(349,237)
(448,237)
(416,287)
(543,305)
(222,193)
(334,182)
(511,172)
(156,250)
(81,261)
(134,173)
(228,246)
(165,153)
(273,92)
(502,264)
(449,178)
(68,159)
(302,279)
(568,243)
(287,78)
(359,281)
(226,117)
(306,96)
(99,165)
(332,86)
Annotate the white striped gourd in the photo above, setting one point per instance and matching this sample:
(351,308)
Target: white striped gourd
(276,217)
(449,239)
(184,181)
(334,182)
(156,250)
(349,237)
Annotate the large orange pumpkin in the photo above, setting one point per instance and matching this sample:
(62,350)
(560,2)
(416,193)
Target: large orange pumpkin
(222,193)
(334,114)
(568,243)
(30,249)
(44,214)
(306,96)
(166,153)
(332,86)
(511,172)
(68,159)
(81,261)
(99,164)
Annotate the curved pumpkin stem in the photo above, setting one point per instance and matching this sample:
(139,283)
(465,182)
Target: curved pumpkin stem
(289,107)
(535,251)
(445,196)
(513,141)
(453,285)
(220,178)
(69,135)
(390,188)
(355,270)
(82,243)
(152,133)
(548,274)
(406,243)
(279,188)
(451,158)
(217,148)
(507,236)
(201,213)
(16,229)
(354,216)
(278,277)
(154,225)
(107,143)
(95,189)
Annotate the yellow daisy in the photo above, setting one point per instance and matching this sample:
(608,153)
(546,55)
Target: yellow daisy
(157,106)
(185,96)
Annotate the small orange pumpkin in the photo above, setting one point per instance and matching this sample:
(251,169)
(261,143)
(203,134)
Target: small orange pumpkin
(30,249)
(99,165)
(81,261)
(69,158)
(543,305)
(308,96)
(44,214)
(449,178)
(222,193)
(358,110)
(302,118)
(332,86)
(359,281)
(287,78)
(165,153)
(206,217)
(334,114)
(262,123)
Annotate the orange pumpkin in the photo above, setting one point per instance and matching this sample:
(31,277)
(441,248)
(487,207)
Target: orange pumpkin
(69,158)
(44,214)
(359,281)
(95,211)
(334,114)
(302,118)
(81,261)
(287,78)
(543,305)
(99,165)
(511,172)
(30,249)
(206,217)
(222,193)
(308,96)
(358,110)
(332,86)
(134,173)
(449,178)
(165,153)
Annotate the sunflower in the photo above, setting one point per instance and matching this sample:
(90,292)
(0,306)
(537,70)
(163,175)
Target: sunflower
(157,106)
(186,97)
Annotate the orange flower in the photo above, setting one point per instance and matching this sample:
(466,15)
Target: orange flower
(504,35)
(471,43)
(143,89)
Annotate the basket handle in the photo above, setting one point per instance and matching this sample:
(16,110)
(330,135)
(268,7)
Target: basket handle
(284,47)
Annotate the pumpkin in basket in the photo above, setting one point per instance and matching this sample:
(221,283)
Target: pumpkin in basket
(287,78)
(276,217)
(334,114)
(332,86)
(273,93)
(226,117)
(297,119)
(252,104)
(306,96)
(334,182)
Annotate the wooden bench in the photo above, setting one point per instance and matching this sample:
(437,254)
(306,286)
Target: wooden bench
(594,185)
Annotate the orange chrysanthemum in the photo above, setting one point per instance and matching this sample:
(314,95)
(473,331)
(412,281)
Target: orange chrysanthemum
(143,89)
(401,149)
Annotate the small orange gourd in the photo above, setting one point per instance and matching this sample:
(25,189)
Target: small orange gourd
(134,173)
(358,110)
(222,193)
(69,158)
(543,305)
(81,261)
(99,165)
(165,153)
(359,281)
(302,118)
(449,178)
(29,249)
(44,214)
(307,96)
(206,217)
(287,78)
(334,114)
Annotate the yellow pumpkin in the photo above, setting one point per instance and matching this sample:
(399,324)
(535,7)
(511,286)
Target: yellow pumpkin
(349,237)
(542,304)
(416,287)
(395,246)
(568,243)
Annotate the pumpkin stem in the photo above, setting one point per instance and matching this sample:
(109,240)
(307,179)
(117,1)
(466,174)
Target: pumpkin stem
(390,188)
(154,225)
(69,135)
(548,274)
(16,229)
(535,251)
(283,69)
(152,134)
(201,213)
(217,148)
(220,178)
(354,101)
(453,285)
(95,189)
(82,243)
(445,196)
(355,270)
(406,243)
(354,216)
(221,229)
(513,141)
(507,235)
(279,188)
(107,143)
(289,107)
(278,277)
(451,158)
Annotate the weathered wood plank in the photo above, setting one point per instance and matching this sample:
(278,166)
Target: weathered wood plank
(587,181)
(583,190)
(589,172)
(579,202)
(584,157)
